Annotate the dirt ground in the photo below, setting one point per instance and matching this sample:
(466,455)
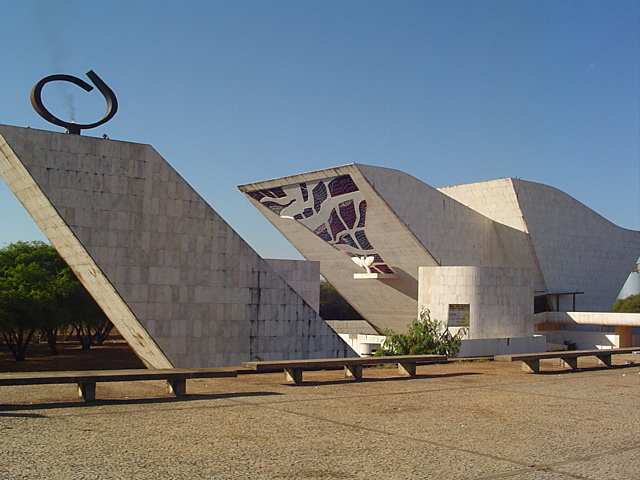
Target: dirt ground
(113,354)
(461,420)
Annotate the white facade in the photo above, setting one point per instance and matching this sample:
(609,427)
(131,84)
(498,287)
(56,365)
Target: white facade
(491,246)
(498,300)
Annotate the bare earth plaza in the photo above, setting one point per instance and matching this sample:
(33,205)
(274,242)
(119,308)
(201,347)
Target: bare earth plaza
(458,179)
(468,420)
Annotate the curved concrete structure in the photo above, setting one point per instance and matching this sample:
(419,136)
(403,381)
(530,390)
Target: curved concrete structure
(532,238)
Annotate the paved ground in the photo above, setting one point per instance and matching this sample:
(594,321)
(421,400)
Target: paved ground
(458,421)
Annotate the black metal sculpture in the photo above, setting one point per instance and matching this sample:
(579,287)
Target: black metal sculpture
(112,102)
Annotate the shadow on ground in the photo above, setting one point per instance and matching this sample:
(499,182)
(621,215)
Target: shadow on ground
(5,409)
(312,383)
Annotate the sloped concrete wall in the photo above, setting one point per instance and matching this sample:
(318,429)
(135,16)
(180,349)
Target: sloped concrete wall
(497,200)
(384,303)
(572,247)
(303,276)
(177,281)
(561,244)
(451,232)
(577,249)
(411,225)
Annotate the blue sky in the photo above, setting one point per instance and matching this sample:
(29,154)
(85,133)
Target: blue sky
(450,92)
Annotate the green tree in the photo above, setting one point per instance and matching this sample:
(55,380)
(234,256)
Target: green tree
(38,291)
(425,336)
(28,293)
(333,306)
(630,304)
(91,325)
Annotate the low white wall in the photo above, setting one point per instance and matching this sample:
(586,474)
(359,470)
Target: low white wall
(485,347)
(579,328)
(363,345)
(585,340)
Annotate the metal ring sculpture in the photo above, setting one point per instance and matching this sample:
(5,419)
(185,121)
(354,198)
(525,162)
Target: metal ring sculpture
(112,102)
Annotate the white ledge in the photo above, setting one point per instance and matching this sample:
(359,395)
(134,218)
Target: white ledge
(379,276)
(612,319)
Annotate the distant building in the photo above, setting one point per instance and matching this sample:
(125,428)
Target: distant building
(632,285)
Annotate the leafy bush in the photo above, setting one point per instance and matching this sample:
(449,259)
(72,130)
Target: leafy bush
(425,336)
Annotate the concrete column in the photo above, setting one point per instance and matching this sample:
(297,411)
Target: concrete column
(177,387)
(87,391)
(531,365)
(353,371)
(624,337)
(570,362)
(293,375)
(407,369)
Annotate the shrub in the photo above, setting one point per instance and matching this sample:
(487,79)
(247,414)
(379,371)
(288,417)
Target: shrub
(425,336)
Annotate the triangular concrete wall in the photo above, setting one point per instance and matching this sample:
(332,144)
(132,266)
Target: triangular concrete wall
(178,282)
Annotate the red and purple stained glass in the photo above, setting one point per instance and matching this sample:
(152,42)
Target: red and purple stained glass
(328,208)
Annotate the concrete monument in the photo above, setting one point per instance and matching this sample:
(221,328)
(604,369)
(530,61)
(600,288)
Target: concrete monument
(182,287)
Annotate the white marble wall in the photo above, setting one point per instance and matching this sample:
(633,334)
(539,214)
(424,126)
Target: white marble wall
(573,248)
(177,281)
(500,299)
(452,233)
(303,276)
(576,248)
